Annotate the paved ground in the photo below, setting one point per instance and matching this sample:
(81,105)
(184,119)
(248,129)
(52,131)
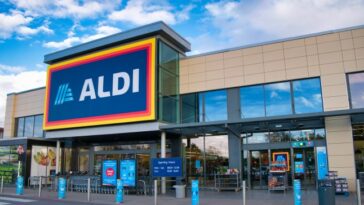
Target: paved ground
(255,197)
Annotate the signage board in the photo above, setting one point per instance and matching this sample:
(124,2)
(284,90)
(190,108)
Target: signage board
(115,85)
(128,172)
(195,198)
(322,169)
(281,158)
(109,169)
(302,144)
(299,167)
(167,167)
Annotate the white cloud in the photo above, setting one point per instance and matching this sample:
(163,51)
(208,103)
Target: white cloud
(279,86)
(141,12)
(17,23)
(101,32)
(245,22)
(16,82)
(66,8)
(6,69)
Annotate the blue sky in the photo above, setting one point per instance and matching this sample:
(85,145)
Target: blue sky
(31,29)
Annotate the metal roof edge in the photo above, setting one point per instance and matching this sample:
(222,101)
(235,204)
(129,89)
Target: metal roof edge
(276,41)
(125,36)
(26,91)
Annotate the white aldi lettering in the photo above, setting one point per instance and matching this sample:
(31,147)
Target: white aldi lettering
(88,88)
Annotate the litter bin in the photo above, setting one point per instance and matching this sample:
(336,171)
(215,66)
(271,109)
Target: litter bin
(326,192)
(180,191)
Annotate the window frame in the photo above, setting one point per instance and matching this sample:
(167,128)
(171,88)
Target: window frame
(349,88)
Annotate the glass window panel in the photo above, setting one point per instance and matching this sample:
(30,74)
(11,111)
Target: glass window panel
(168,58)
(307,96)
(356,83)
(20,128)
(38,126)
(252,101)
(4,155)
(320,134)
(262,137)
(29,126)
(278,99)
(215,105)
(194,152)
(170,108)
(282,136)
(217,157)
(302,135)
(83,163)
(189,108)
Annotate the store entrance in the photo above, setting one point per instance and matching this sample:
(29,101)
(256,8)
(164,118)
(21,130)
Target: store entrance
(305,166)
(259,167)
(142,160)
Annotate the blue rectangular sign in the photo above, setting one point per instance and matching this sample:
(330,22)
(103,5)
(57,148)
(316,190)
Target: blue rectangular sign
(167,167)
(116,85)
(299,167)
(128,172)
(322,169)
(109,170)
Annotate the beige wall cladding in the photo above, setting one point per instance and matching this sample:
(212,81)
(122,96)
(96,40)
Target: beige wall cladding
(253,69)
(9,120)
(233,62)
(359,53)
(274,65)
(184,88)
(336,103)
(295,52)
(275,76)
(296,62)
(345,35)
(329,47)
(214,65)
(273,55)
(327,37)
(359,42)
(297,73)
(340,150)
(358,32)
(328,56)
(347,44)
(253,59)
(332,57)
(214,84)
(183,79)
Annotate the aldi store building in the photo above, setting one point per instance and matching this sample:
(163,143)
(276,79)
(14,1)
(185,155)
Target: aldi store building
(293,105)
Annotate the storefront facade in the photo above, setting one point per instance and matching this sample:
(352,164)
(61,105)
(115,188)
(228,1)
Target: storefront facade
(243,108)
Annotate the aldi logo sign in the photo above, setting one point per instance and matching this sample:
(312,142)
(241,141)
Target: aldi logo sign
(116,85)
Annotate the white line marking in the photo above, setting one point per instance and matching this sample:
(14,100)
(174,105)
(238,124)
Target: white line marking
(16,199)
(3,203)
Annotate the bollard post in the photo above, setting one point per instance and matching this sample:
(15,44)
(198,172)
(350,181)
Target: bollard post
(119,192)
(62,188)
(88,189)
(19,185)
(244,195)
(297,192)
(358,194)
(40,186)
(155,192)
(195,198)
(2,184)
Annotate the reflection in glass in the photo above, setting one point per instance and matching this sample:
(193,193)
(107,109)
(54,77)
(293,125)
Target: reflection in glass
(38,129)
(302,135)
(83,163)
(189,109)
(278,99)
(320,134)
(20,128)
(282,136)
(258,137)
(356,83)
(307,96)
(252,101)
(215,106)
(29,126)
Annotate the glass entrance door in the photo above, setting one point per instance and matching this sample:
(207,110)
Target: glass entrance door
(259,167)
(305,166)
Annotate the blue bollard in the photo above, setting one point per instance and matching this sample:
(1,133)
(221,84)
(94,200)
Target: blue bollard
(119,192)
(195,193)
(62,188)
(297,192)
(19,185)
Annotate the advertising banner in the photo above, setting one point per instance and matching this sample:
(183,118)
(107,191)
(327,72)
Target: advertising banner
(167,167)
(43,162)
(281,159)
(195,193)
(322,169)
(119,82)
(128,172)
(299,167)
(109,169)
(297,192)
